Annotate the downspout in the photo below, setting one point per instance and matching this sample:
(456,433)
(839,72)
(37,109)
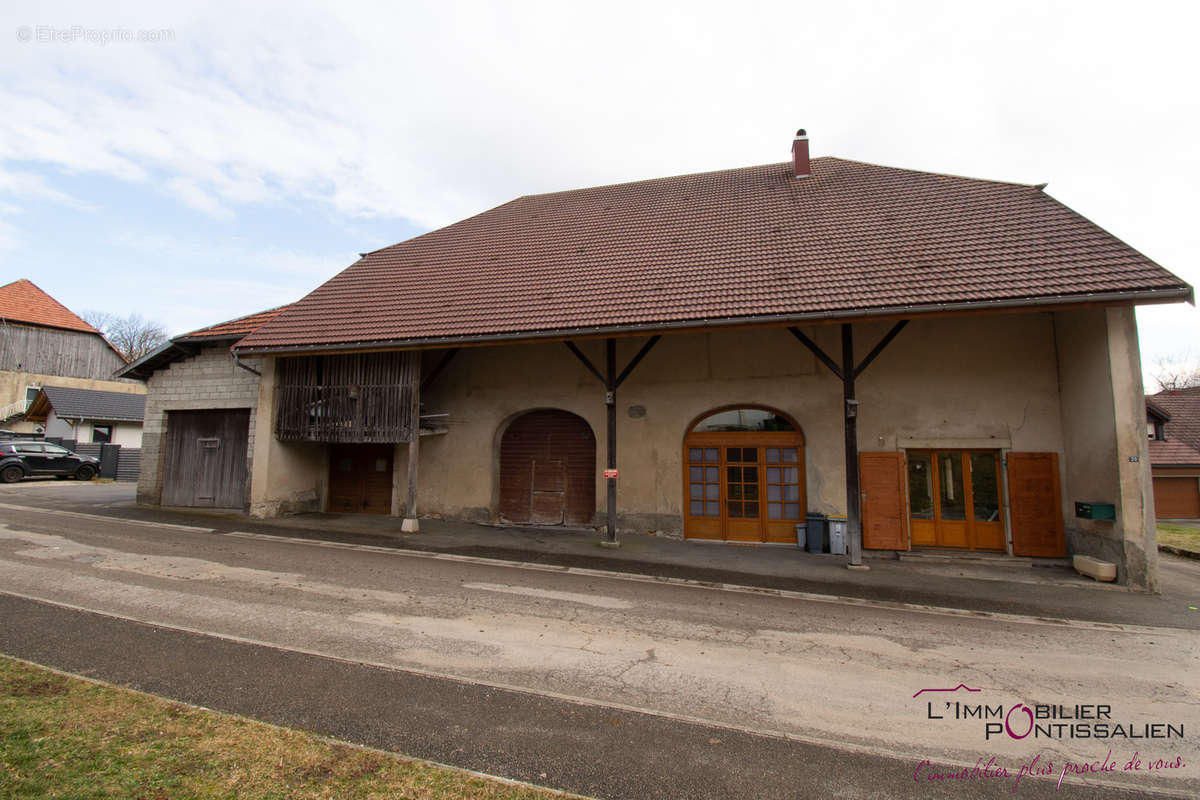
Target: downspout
(246,367)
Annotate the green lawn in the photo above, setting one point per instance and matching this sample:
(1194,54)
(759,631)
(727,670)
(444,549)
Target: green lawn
(1179,536)
(68,738)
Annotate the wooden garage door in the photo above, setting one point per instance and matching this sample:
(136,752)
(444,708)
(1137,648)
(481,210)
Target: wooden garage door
(1176,498)
(548,470)
(204,463)
(1037,528)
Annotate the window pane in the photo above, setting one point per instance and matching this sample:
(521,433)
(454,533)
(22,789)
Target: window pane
(791,511)
(791,455)
(712,474)
(735,491)
(984,487)
(750,510)
(772,455)
(712,509)
(696,474)
(734,474)
(791,475)
(734,509)
(712,455)
(712,491)
(749,475)
(774,511)
(697,508)
(773,474)
(920,486)
(744,419)
(750,454)
(950,481)
(774,492)
(791,492)
(55,450)
(733,454)
(695,453)
(698,490)
(751,491)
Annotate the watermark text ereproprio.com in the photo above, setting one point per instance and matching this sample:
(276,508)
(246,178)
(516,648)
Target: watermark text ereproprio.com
(75,34)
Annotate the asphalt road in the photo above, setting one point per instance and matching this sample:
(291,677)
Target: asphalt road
(596,685)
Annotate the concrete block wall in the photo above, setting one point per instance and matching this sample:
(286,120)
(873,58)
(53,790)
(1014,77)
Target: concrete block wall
(207,381)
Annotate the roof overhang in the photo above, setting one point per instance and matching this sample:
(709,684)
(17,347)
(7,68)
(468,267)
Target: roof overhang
(169,352)
(1183,293)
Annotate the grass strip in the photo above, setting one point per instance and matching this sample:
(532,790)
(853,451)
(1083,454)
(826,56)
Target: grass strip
(1179,536)
(63,737)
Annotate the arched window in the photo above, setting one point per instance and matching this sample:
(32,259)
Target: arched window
(744,476)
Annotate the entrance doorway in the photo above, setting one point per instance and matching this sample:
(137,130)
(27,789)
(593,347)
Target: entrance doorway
(548,469)
(744,477)
(954,499)
(360,478)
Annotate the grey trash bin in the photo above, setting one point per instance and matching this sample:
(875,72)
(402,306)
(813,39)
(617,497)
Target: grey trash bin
(837,535)
(801,532)
(816,533)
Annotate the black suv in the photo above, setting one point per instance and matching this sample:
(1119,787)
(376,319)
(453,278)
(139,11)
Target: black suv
(24,459)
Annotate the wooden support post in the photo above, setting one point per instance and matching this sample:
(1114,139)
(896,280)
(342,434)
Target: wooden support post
(611,381)
(410,524)
(850,413)
(610,402)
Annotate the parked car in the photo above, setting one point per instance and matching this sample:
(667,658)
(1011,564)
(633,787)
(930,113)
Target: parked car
(24,459)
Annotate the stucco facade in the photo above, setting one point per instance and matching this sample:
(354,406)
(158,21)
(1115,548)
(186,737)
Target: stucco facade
(1064,382)
(209,380)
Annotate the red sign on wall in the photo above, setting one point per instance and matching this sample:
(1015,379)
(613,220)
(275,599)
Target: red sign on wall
(610,473)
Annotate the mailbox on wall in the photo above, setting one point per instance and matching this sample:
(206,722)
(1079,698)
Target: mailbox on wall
(1095,511)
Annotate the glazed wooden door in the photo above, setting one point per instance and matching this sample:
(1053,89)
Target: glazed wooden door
(1035,501)
(744,487)
(954,499)
(881,478)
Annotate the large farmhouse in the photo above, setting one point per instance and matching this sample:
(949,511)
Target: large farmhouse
(950,362)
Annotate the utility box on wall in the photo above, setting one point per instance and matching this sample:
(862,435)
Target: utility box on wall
(1095,511)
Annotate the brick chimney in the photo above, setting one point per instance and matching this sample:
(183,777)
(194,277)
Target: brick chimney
(800,154)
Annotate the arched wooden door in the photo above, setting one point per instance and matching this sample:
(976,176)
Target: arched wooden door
(743,476)
(548,469)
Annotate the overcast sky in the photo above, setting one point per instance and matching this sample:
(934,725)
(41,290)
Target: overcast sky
(227,160)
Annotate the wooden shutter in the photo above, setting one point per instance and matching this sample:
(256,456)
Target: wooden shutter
(1035,501)
(881,478)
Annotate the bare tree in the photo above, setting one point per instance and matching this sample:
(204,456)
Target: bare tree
(132,336)
(1176,372)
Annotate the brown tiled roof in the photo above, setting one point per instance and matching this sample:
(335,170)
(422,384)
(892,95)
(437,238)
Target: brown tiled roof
(236,327)
(22,301)
(1182,445)
(728,246)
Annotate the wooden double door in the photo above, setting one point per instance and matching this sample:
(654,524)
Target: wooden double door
(204,463)
(360,478)
(548,469)
(954,499)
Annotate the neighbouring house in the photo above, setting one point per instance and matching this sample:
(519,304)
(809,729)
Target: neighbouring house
(42,343)
(1173,428)
(89,415)
(952,363)
(198,433)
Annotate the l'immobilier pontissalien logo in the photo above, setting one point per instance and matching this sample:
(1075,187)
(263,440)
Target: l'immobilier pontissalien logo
(1045,720)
